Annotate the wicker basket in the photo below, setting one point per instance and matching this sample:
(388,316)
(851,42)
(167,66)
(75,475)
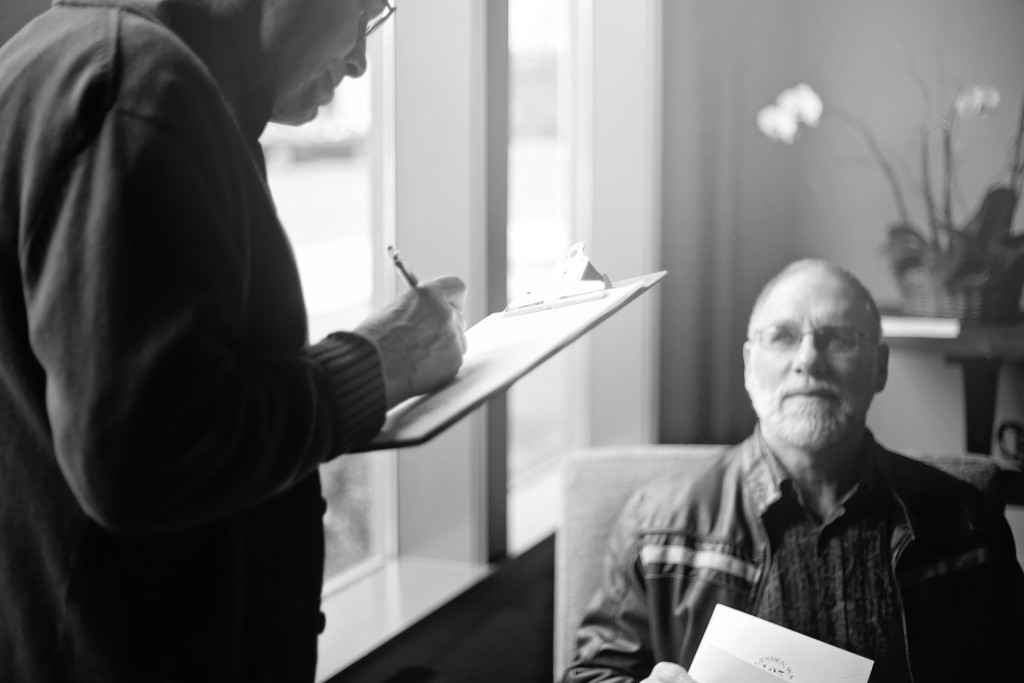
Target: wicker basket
(975,298)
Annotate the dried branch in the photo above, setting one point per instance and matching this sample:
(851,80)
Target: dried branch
(878,156)
(926,186)
(919,81)
(1017,170)
(947,184)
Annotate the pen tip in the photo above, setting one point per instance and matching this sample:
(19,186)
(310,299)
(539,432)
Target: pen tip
(391,251)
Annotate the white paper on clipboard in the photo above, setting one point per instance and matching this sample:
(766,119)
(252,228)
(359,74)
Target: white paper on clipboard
(500,350)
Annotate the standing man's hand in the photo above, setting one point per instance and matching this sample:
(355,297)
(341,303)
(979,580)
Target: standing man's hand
(668,672)
(421,337)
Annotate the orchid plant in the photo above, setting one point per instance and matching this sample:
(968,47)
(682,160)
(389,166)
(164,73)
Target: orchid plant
(982,244)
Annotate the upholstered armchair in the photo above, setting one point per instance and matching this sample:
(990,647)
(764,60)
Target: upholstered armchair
(598,482)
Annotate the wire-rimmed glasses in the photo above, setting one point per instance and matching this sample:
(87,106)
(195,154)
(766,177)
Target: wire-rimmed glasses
(832,339)
(374,23)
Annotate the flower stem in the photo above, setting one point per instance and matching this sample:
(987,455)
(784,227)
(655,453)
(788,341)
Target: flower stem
(947,146)
(1017,173)
(926,186)
(878,156)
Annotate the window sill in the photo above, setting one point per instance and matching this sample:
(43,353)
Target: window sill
(534,507)
(377,607)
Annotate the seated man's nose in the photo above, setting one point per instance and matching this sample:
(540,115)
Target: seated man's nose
(807,353)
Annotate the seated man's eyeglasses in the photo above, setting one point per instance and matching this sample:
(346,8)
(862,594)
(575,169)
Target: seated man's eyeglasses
(374,23)
(832,340)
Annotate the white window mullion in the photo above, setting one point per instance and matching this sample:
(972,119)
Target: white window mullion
(618,208)
(442,210)
(382,55)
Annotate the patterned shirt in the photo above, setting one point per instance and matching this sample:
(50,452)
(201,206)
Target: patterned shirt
(832,579)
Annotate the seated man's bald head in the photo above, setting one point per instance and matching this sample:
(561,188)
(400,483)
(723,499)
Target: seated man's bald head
(803,265)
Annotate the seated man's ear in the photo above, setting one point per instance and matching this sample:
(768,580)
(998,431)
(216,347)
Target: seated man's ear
(881,369)
(746,363)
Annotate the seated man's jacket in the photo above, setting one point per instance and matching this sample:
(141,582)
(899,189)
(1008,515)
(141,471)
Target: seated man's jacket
(681,546)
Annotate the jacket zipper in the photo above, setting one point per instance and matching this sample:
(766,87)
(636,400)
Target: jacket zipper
(765,568)
(903,609)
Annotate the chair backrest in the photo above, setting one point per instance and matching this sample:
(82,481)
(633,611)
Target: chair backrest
(598,482)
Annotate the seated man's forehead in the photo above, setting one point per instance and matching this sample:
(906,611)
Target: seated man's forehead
(822,296)
(814,285)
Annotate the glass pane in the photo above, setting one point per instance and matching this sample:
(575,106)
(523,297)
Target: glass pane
(539,229)
(321,177)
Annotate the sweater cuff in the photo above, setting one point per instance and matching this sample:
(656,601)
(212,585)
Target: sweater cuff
(353,370)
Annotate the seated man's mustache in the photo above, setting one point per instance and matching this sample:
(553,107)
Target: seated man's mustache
(817,389)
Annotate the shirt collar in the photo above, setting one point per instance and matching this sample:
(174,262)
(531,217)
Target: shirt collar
(772,482)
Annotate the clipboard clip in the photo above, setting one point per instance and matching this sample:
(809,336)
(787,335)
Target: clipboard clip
(573,279)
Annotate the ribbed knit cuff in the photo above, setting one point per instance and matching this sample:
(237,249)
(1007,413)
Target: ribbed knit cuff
(353,369)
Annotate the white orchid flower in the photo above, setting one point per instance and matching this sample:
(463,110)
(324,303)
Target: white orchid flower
(781,121)
(778,123)
(977,100)
(803,102)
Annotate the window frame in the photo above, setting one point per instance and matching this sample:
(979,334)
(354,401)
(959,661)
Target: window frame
(445,124)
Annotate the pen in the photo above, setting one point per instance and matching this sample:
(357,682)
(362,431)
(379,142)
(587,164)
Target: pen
(409,277)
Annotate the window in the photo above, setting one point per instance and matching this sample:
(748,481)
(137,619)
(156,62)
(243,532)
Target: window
(321,175)
(443,197)
(541,425)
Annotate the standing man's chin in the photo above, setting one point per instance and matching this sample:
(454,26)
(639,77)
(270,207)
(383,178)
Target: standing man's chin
(295,116)
(302,107)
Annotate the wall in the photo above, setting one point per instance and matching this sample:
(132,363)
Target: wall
(730,211)
(737,207)
(866,58)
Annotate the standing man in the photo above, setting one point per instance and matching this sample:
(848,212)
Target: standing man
(810,523)
(162,415)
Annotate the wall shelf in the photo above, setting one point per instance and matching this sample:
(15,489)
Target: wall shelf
(980,351)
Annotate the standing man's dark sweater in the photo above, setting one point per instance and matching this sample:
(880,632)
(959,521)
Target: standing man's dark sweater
(162,416)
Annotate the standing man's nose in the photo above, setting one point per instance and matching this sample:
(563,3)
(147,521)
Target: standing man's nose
(355,62)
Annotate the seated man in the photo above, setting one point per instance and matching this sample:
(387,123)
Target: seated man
(810,523)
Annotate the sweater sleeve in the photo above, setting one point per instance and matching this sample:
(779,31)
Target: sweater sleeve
(177,389)
(353,372)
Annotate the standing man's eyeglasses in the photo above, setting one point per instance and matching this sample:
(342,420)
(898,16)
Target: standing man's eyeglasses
(374,23)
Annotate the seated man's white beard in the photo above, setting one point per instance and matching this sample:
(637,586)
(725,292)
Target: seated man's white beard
(809,425)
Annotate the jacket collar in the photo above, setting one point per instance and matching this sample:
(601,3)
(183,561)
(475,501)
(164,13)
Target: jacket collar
(226,39)
(763,475)
(759,478)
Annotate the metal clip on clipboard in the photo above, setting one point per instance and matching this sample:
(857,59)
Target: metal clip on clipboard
(572,280)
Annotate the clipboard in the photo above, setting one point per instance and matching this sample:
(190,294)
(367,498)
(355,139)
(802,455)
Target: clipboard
(572,280)
(501,350)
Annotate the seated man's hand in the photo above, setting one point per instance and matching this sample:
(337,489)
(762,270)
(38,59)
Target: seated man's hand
(421,337)
(668,672)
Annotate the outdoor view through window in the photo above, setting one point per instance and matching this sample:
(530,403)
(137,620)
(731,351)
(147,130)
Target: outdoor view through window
(321,175)
(541,413)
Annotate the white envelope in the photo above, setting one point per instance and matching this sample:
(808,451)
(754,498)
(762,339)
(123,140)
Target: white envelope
(740,648)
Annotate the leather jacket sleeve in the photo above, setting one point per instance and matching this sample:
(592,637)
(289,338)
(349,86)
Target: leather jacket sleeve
(614,641)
